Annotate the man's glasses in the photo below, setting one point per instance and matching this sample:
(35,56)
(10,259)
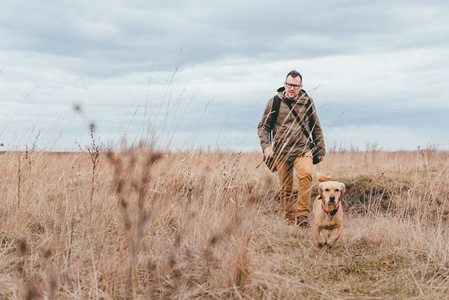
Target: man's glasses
(295,86)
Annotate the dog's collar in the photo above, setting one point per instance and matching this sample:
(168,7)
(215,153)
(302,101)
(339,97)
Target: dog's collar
(330,213)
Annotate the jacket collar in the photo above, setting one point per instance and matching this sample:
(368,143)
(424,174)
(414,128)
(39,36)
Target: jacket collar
(301,99)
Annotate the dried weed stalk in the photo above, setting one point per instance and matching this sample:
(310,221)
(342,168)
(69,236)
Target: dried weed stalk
(93,152)
(132,175)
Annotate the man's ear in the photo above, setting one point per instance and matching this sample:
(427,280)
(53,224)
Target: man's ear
(343,188)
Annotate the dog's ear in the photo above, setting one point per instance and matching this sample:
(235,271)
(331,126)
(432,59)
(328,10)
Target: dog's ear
(343,188)
(320,190)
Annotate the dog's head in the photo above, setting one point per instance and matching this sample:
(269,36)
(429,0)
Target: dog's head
(331,191)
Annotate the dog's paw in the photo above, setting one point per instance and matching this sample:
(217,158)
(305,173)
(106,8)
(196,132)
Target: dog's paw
(330,245)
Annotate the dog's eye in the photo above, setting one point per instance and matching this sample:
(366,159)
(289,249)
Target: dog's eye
(327,190)
(337,190)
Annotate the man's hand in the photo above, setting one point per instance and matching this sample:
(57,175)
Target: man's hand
(268,152)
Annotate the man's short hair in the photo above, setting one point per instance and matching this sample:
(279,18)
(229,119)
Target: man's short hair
(294,74)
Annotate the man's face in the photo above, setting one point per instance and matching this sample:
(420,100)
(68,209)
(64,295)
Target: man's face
(292,87)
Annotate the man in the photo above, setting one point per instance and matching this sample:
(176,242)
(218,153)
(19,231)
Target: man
(290,146)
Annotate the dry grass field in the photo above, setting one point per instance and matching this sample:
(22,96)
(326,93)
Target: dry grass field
(146,225)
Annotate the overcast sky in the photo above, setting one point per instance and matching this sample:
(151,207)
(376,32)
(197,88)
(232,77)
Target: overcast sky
(199,73)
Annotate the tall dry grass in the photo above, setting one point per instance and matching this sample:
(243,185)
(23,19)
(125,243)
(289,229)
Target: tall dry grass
(207,225)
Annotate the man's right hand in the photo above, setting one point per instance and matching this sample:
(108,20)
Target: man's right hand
(268,152)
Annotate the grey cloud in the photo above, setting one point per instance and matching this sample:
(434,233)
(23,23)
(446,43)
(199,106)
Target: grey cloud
(420,119)
(93,53)
(121,37)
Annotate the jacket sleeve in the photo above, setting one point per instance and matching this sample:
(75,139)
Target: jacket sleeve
(317,132)
(263,129)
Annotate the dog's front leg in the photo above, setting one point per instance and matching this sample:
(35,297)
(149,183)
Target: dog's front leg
(334,235)
(318,238)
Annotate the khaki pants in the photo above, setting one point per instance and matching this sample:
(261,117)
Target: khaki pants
(303,166)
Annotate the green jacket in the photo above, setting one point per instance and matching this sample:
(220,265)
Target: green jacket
(289,140)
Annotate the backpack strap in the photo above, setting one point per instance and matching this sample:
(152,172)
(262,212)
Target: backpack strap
(309,115)
(274,115)
(274,111)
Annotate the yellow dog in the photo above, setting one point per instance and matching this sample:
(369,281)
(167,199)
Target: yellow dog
(327,211)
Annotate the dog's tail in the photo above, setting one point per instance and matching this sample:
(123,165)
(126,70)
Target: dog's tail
(322,177)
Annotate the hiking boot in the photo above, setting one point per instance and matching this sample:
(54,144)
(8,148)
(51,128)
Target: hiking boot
(290,220)
(302,221)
